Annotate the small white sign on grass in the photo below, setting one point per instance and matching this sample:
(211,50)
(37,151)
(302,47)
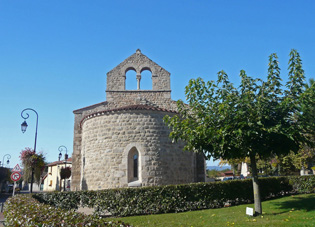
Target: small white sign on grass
(250,211)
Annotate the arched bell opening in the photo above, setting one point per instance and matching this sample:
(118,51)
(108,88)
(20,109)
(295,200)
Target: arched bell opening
(131,79)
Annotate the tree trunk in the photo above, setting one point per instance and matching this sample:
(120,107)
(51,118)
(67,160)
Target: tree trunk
(257,199)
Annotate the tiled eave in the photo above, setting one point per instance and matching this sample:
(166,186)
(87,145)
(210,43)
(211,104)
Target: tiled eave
(62,162)
(125,108)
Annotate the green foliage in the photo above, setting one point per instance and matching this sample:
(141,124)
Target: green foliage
(289,164)
(216,173)
(308,108)
(223,121)
(279,165)
(63,200)
(32,161)
(65,173)
(4,174)
(306,155)
(303,184)
(167,199)
(259,117)
(23,210)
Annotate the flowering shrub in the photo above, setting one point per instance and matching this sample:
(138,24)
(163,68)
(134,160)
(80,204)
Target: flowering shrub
(23,210)
(65,173)
(32,161)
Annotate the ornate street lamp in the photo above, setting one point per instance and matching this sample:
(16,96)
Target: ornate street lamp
(8,161)
(62,148)
(23,129)
(24,126)
(59,156)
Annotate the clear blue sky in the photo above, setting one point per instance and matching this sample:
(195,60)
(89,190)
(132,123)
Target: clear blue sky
(54,55)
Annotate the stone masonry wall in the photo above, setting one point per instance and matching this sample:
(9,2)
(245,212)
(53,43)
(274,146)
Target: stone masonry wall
(138,62)
(152,98)
(103,135)
(107,139)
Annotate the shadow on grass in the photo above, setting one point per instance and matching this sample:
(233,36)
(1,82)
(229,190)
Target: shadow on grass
(297,203)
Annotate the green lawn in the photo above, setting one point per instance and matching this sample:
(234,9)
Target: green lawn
(297,210)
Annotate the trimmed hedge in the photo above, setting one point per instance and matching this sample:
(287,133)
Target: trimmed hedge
(23,210)
(176,198)
(303,184)
(59,208)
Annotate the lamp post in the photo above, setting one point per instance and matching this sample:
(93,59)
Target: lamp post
(23,128)
(61,148)
(8,161)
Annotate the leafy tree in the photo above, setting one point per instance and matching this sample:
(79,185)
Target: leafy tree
(268,167)
(255,119)
(213,173)
(289,164)
(293,162)
(4,176)
(32,162)
(308,107)
(277,165)
(304,157)
(306,154)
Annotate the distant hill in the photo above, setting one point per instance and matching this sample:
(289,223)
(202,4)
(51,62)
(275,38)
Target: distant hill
(218,167)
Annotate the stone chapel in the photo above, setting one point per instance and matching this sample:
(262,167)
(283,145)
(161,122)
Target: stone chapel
(123,141)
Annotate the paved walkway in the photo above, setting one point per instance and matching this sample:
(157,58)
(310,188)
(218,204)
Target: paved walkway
(1,219)
(85,210)
(3,198)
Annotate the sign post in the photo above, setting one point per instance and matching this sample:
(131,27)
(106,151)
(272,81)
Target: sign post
(16,168)
(14,185)
(15,176)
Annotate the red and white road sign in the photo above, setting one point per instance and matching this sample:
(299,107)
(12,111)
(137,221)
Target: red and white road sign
(15,176)
(17,168)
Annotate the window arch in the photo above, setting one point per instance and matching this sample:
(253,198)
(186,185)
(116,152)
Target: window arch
(133,165)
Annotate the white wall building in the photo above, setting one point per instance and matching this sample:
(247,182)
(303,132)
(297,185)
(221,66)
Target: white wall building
(52,180)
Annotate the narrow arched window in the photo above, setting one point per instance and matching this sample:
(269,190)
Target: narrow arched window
(133,165)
